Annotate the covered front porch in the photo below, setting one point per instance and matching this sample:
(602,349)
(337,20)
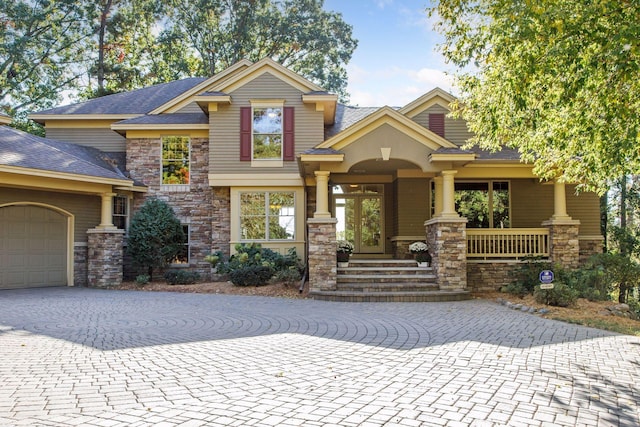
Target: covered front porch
(389,182)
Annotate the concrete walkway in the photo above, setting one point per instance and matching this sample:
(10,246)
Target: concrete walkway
(116,358)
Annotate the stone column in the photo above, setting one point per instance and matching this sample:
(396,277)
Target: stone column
(322,195)
(323,267)
(105,257)
(447,240)
(564,244)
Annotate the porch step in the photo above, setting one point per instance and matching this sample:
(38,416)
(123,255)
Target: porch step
(426,296)
(387,280)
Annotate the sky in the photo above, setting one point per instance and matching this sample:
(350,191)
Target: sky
(396,60)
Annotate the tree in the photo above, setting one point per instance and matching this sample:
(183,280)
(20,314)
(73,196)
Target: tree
(41,44)
(155,236)
(296,33)
(557,80)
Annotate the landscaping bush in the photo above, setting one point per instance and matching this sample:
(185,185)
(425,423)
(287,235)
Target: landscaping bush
(242,267)
(181,277)
(251,275)
(289,277)
(142,279)
(527,276)
(560,296)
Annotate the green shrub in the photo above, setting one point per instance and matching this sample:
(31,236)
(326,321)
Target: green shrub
(251,275)
(181,277)
(527,275)
(289,277)
(560,296)
(590,282)
(516,288)
(142,279)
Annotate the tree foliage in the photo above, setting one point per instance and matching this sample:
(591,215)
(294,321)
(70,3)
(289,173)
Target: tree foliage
(42,43)
(299,34)
(558,80)
(155,236)
(83,49)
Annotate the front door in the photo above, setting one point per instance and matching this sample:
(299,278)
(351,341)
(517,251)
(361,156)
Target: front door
(359,210)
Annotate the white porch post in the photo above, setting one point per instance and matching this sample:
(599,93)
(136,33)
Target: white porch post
(438,196)
(448,191)
(106,215)
(322,195)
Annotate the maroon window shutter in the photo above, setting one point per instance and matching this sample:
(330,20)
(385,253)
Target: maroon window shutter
(288,127)
(436,123)
(245,133)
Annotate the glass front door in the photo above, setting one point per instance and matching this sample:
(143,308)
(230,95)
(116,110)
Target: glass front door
(360,216)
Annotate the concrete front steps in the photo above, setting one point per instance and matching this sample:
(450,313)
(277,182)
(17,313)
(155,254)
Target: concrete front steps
(387,280)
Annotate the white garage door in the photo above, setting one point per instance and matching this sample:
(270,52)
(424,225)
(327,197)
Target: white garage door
(33,247)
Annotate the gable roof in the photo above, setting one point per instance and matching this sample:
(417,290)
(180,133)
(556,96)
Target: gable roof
(434,96)
(125,104)
(23,150)
(389,116)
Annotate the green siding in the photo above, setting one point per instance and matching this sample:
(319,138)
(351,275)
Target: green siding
(85,209)
(455,130)
(412,206)
(532,204)
(102,139)
(225,126)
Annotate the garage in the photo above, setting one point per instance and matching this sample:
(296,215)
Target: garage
(33,247)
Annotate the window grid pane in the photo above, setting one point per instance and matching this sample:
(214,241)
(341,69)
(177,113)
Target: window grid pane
(267,133)
(175,160)
(267,216)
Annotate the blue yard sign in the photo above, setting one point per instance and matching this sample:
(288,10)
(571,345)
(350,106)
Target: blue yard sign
(546,276)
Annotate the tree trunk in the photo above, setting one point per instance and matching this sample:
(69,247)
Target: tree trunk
(101,47)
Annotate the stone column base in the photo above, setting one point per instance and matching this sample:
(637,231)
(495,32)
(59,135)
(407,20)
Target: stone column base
(447,240)
(323,268)
(105,257)
(564,244)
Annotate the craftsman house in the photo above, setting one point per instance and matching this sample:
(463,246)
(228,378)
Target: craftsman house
(258,153)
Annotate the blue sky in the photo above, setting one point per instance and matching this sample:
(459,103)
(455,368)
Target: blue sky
(396,60)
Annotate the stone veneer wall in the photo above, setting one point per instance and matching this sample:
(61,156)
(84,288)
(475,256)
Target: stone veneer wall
(80,262)
(447,240)
(564,245)
(323,267)
(400,247)
(104,256)
(199,206)
(490,275)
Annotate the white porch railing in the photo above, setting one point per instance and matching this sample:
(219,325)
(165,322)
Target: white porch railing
(507,243)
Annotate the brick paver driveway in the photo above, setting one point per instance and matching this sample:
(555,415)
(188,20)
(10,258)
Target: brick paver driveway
(109,358)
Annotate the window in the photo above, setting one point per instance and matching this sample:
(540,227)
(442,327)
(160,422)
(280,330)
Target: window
(120,212)
(183,256)
(267,133)
(484,204)
(267,215)
(175,160)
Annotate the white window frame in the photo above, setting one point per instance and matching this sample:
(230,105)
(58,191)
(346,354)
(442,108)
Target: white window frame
(186,226)
(267,215)
(490,198)
(268,103)
(124,215)
(174,187)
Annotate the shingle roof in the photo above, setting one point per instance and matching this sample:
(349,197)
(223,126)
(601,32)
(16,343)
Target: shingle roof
(140,101)
(347,116)
(22,149)
(171,119)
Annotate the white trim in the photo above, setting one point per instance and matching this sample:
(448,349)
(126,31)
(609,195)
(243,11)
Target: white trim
(255,180)
(174,188)
(70,232)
